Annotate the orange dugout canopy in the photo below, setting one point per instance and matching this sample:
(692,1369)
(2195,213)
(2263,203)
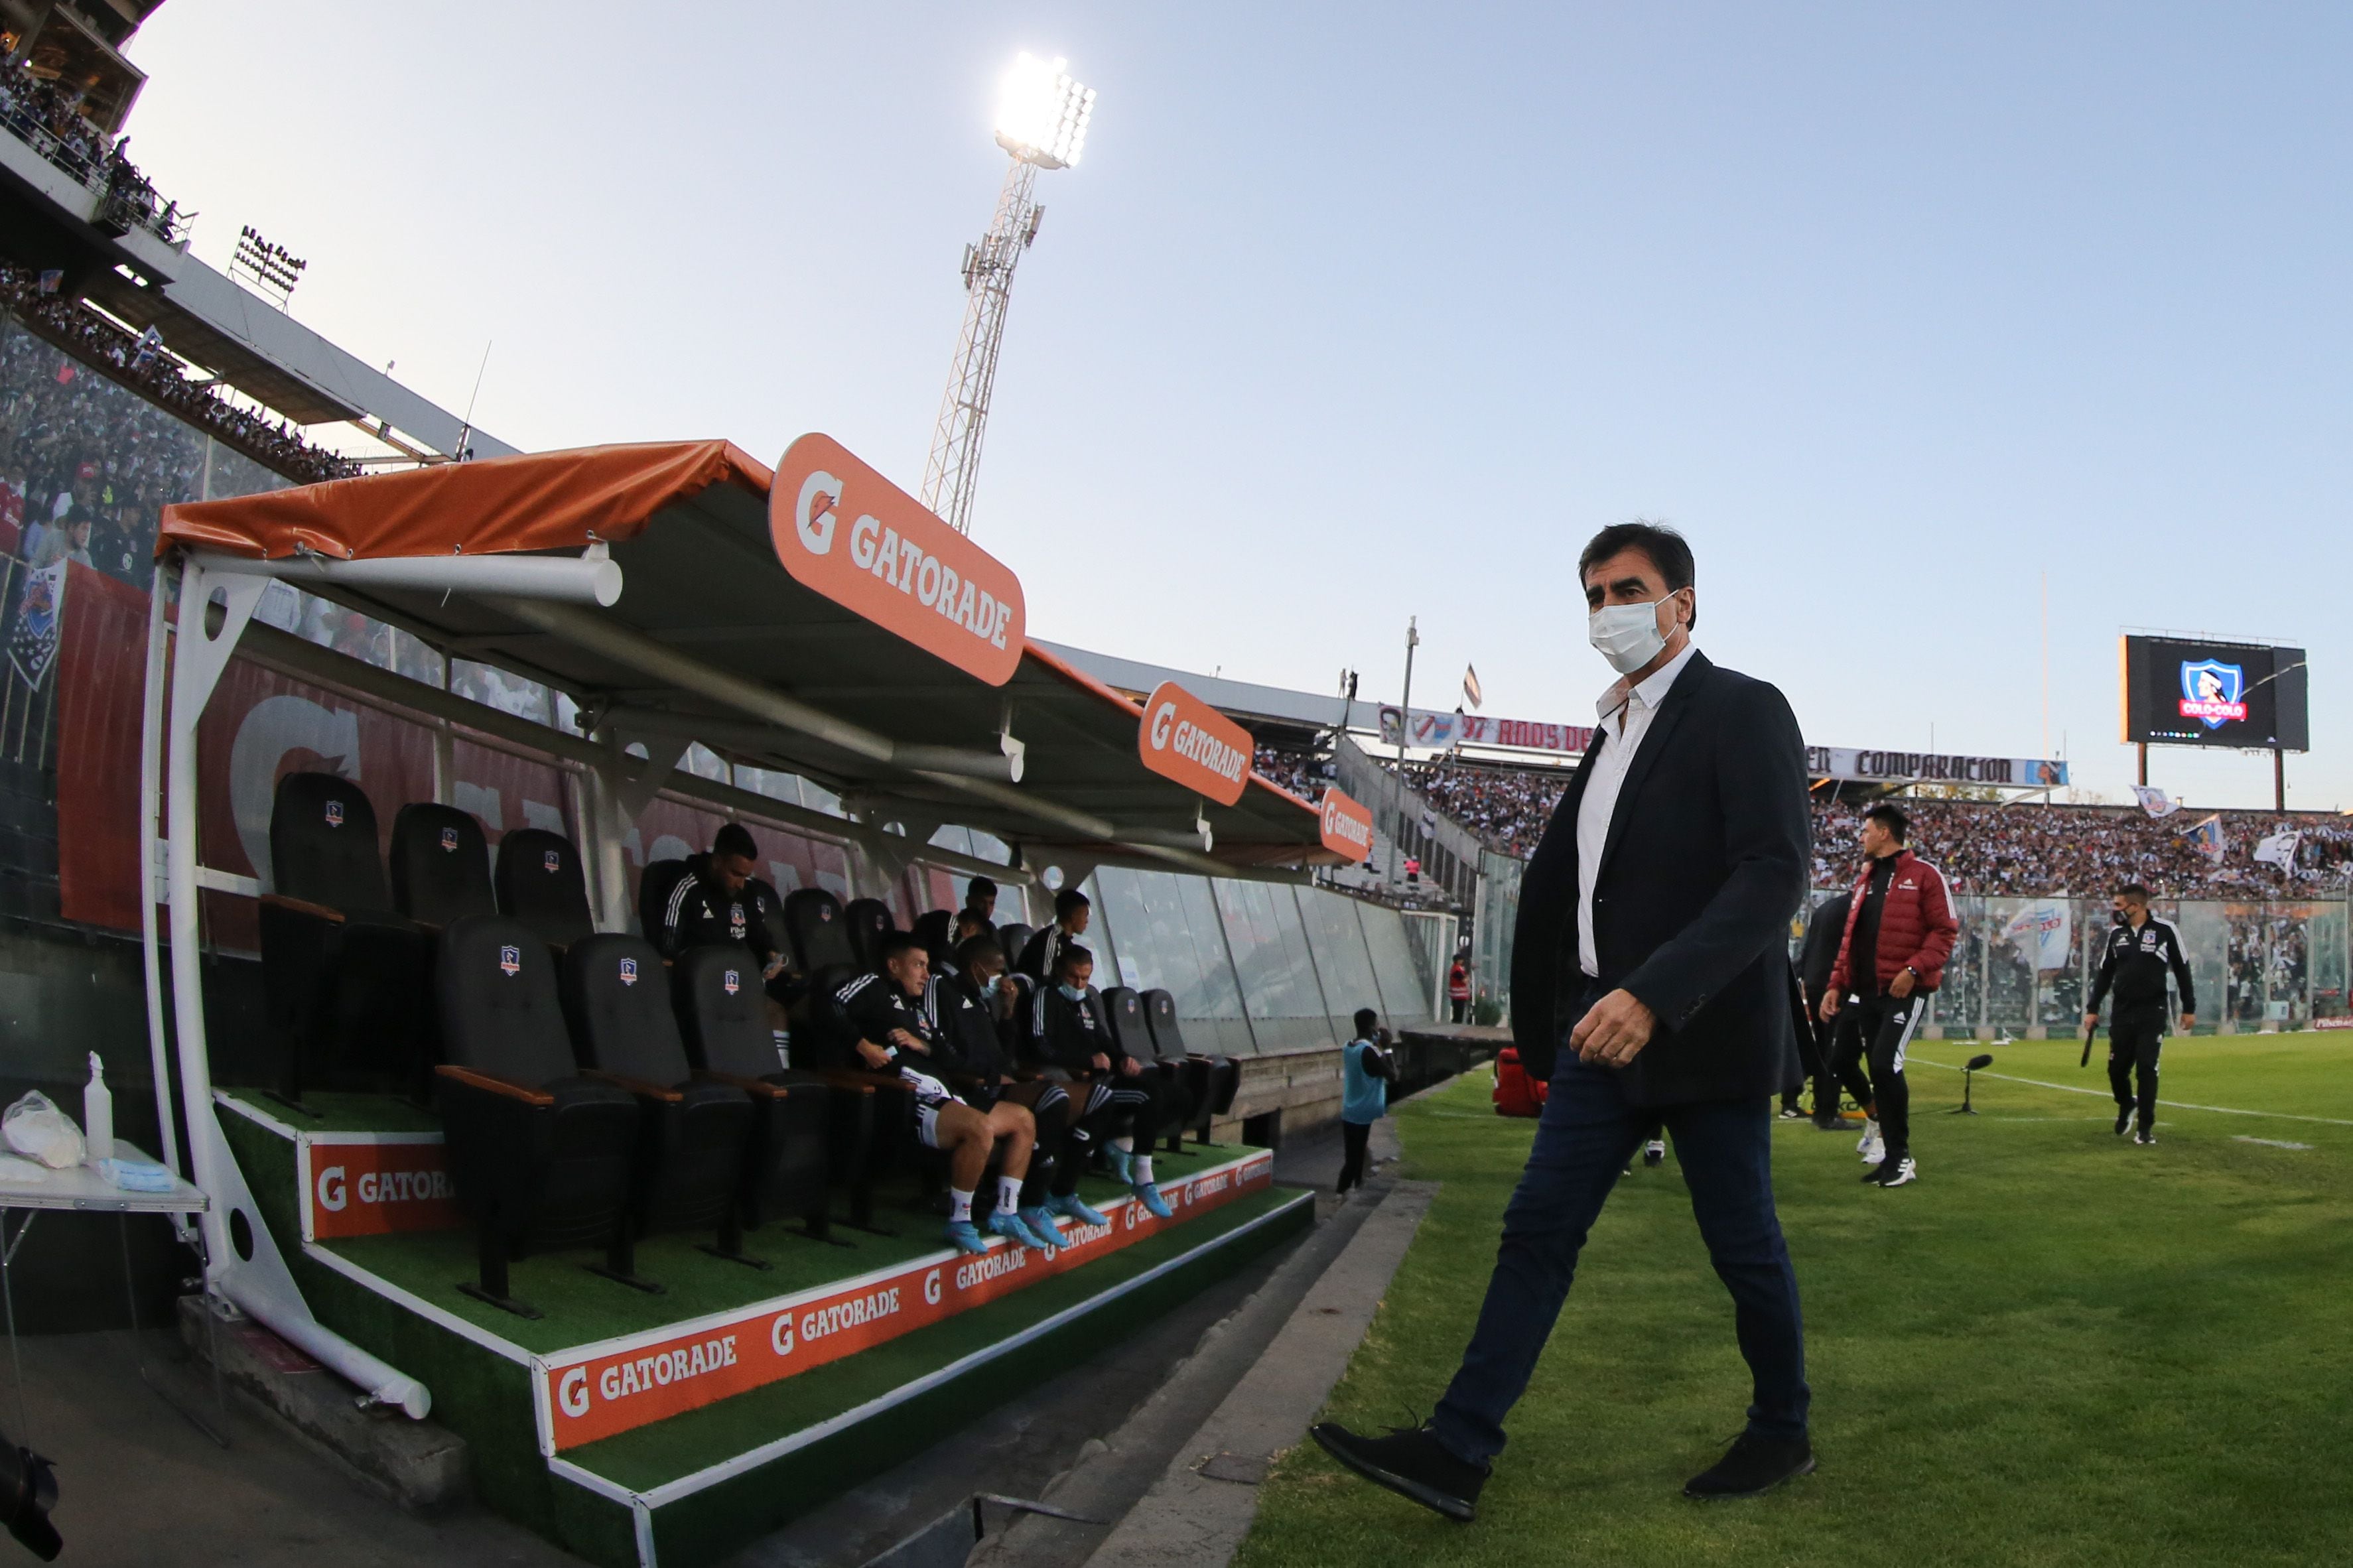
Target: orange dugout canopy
(653,584)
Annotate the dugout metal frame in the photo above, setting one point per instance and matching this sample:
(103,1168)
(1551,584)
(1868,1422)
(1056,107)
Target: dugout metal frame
(482,572)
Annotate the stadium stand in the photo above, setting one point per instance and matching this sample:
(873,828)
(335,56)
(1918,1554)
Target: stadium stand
(1983,848)
(123,356)
(48,117)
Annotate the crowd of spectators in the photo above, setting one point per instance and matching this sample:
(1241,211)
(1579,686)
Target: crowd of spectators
(1982,847)
(89,337)
(48,116)
(1303,776)
(2035,849)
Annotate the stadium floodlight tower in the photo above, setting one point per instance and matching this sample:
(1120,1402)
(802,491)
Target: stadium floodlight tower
(1041,121)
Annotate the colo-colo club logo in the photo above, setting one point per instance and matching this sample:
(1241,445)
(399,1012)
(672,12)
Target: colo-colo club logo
(2214,692)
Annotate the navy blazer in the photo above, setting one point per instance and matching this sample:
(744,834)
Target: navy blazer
(1705,863)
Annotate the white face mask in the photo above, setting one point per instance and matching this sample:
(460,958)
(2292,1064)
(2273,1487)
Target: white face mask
(1628,636)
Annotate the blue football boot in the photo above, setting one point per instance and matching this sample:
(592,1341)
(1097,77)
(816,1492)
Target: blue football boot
(1070,1206)
(964,1237)
(1040,1221)
(1149,1196)
(1011,1228)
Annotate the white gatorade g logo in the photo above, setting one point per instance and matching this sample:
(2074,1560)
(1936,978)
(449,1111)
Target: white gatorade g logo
(572,1393)
(332,1194)
(780,1334)
(1162,717)
(816,531)
(931,1288)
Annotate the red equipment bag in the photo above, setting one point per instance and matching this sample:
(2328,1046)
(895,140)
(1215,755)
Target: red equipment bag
(1516,1094)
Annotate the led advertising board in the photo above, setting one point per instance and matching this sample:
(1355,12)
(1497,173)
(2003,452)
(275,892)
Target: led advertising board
(2180,692)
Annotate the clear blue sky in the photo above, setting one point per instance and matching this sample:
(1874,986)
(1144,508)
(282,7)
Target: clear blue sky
(1353,313)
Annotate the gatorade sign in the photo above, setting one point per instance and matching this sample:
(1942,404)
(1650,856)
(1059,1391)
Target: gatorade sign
(1184,739)
(373,1184)
(1347,826)
(849,533)
(594,1390)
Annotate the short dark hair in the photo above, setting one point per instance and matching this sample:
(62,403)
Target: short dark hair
(1888,812)
(1668,551)
(1073,955)
(1068,900)
(2136,891)
(735,838)
(898,941)
(1366,1022)
(973,949)
(979,888)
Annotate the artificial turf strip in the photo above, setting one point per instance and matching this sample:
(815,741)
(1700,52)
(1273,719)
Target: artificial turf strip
(333,1112)
(646,1456)
(719,1519)
(2055,1347)
(580,1308)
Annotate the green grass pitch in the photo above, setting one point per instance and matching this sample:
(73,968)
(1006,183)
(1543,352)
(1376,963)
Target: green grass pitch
(2054,1348)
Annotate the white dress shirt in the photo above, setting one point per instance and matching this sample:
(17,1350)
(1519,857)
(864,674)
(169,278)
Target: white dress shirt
(1626,716)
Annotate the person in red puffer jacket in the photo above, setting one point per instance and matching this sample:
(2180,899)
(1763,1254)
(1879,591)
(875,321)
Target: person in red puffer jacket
(1900,929)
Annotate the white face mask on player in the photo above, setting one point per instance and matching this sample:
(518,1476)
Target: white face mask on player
(1628,636)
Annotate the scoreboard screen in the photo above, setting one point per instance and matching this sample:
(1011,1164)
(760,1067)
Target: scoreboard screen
(2179,692)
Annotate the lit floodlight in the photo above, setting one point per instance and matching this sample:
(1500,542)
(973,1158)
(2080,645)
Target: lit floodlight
(1042,114)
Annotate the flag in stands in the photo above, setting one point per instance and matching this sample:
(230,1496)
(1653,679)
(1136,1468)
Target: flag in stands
(2153,801)
(2206,838)
(2041,930)
(2279,849)
(1470,685)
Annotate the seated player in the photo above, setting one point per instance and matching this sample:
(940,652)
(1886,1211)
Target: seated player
(974,1010)
(1042,960)
(980,903)
(886,1010)
(1071,1038)
(722,900)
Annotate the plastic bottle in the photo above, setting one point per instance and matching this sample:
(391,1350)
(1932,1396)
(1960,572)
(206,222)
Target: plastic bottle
(98,1113)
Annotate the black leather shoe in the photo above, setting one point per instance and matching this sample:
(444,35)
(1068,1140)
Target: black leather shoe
(1411,1462)
(1753,1465)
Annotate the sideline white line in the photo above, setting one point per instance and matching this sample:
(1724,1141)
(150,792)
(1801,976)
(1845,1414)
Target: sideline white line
(2168,1104)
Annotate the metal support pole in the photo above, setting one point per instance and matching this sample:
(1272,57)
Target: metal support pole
(2279,779)
(2144,762)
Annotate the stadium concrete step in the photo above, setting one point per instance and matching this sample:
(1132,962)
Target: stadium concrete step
(632,1428)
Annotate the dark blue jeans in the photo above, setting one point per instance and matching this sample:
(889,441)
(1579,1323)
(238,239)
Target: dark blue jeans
(1586,1135)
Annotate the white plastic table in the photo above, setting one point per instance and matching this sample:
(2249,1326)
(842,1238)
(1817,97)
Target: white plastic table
(80,1188)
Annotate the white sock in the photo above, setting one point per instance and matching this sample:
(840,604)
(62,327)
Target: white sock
(1142,1167)
(1126,1145)
(1008,1194)
(959,1206)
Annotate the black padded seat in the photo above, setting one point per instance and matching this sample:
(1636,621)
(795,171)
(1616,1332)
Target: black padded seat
(869,922)
(346,977)
(440,865)
(936,929)
(1013,936)
(541,1155)
(819,933)
(1123,1013)
(1212,1080)
(616,998)
(540,882)
(723,1021)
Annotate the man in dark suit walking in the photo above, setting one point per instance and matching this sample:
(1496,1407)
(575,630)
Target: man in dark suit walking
(1650,981)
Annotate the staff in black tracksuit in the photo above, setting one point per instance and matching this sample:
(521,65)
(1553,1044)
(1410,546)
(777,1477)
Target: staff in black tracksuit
(2139,953)
(1067,1030)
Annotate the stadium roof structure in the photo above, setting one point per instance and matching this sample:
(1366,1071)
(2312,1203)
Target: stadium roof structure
(697,632)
